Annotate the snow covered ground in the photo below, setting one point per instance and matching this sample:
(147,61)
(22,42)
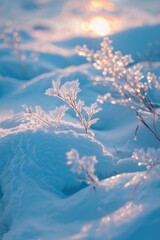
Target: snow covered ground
(40,197)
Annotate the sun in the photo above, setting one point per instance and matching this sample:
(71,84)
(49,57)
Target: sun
(100,26)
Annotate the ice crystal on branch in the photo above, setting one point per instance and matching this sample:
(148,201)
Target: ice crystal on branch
(57,114)
(150,158)
(128,84)
(14,41)
(105,59)
(68,93)
(83,166)
(39,118)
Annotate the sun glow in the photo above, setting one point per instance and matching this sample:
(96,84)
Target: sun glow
(103,4)
(100,26)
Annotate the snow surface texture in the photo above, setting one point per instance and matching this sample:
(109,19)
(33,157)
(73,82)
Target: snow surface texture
(40,197)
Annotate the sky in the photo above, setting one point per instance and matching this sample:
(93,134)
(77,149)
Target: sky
(68,18)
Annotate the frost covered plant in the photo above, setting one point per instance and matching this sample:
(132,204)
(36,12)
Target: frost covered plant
(149,158)
(83,166)
(13,40)
(68,93)
(39,118)
(127,82)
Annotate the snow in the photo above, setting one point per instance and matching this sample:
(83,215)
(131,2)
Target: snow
(40,197)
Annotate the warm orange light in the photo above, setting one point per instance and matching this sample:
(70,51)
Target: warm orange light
(104,4)
(97,3)
(100,26)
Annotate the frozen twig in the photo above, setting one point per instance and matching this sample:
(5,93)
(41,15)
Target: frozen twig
(68,93)
(130,86)
(150,159)
(83,166)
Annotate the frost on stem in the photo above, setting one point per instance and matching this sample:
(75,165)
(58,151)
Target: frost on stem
(128,84)
(68,93)
(39,118)
(13,40)
(84,166)
(150,158)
